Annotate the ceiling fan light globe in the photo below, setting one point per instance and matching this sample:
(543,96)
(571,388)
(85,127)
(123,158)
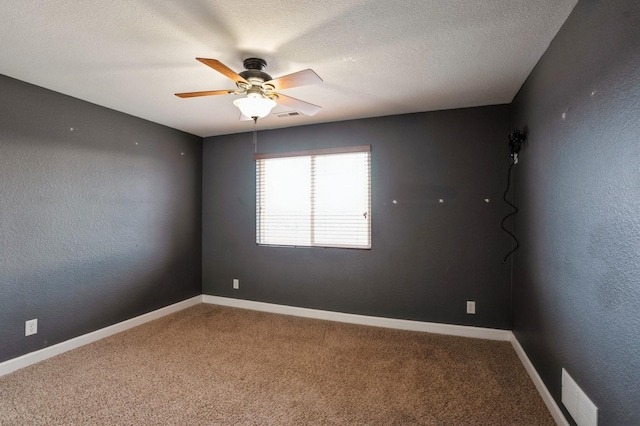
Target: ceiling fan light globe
(255,106)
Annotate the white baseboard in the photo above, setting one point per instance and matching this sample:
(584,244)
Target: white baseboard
(429,327)
(51,351)
(553,407)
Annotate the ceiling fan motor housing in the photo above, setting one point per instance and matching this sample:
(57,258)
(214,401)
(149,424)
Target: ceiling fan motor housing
(253,71)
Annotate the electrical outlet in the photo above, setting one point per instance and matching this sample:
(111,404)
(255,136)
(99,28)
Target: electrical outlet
(471,307)
(31,327)
(236,283)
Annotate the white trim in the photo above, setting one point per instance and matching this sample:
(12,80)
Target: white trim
(429,327)
(34,357)
(553,407)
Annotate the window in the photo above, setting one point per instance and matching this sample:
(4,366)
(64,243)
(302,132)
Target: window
(318,198)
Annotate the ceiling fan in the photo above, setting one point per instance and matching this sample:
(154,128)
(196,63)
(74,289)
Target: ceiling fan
(260,88)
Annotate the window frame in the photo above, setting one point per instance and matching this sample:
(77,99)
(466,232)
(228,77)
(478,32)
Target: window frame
(314,153)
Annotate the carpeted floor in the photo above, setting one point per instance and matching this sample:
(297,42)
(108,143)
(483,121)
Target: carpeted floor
(212,365)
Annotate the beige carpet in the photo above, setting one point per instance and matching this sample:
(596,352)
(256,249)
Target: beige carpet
(211,365)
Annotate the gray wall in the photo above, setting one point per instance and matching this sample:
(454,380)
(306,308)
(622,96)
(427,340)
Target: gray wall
(577,276)
(94,229)
(426,259)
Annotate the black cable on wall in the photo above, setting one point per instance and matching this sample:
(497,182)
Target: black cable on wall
(516,140)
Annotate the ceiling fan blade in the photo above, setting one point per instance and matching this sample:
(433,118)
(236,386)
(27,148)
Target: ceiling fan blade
(304,107)
(223,69)
(205,93)
(297,79)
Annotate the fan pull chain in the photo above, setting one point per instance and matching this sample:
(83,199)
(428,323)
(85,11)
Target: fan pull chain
(255,135)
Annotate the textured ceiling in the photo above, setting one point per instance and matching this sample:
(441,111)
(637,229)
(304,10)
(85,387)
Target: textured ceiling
(376,57)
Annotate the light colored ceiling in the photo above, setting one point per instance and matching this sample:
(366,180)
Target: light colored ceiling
(376,57)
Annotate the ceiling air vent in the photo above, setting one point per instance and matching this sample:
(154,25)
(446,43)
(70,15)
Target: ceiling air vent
(288,114)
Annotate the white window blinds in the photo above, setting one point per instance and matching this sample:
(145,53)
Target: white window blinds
(314,198)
